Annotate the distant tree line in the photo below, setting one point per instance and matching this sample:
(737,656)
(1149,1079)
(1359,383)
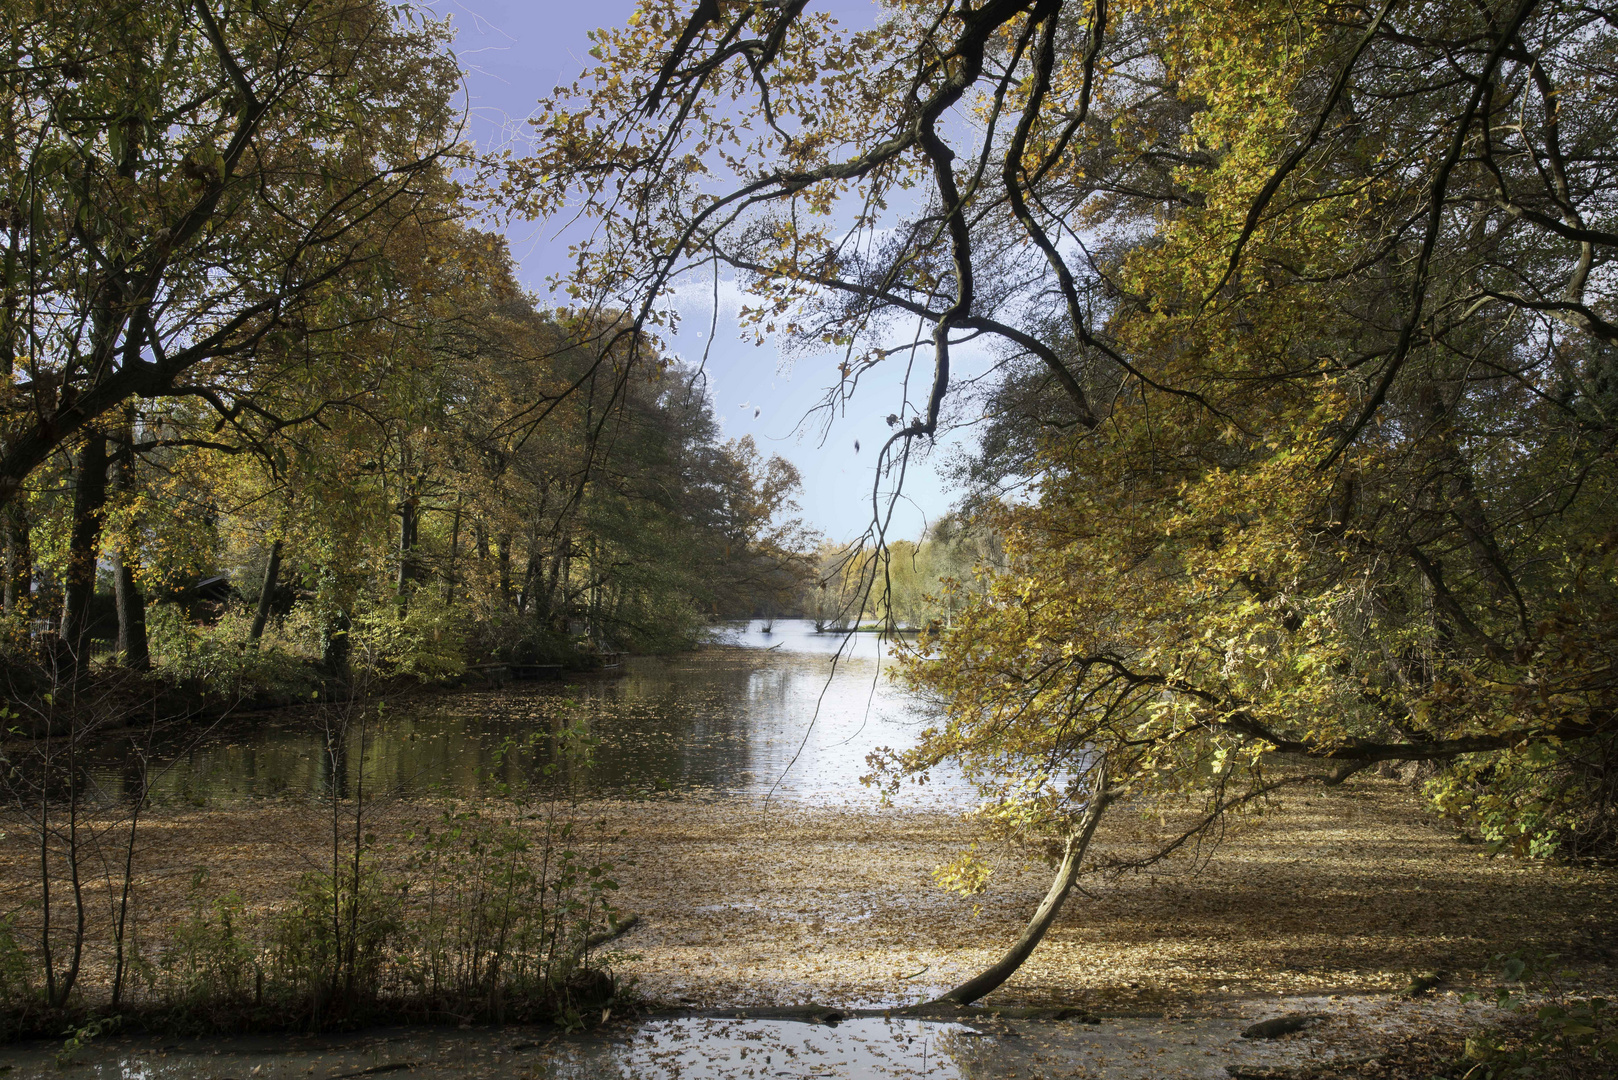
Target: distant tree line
(249,339)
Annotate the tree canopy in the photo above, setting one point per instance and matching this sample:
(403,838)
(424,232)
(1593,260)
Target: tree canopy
(1305,326)
(250,330)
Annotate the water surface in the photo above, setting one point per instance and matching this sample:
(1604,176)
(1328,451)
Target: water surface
(785,713)
(715,1048)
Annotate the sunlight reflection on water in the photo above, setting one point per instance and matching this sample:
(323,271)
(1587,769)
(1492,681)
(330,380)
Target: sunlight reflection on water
(712,1048)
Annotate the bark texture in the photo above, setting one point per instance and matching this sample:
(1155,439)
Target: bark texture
(132,641)
(84,545)
(19,560)
(266,595)
(1066,874)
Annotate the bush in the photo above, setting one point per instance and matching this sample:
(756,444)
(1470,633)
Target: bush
(501,917)
(211,960)
(16,969)
(427,640)
(331,948)
(220,657)
(1564,1037)
(1540,801)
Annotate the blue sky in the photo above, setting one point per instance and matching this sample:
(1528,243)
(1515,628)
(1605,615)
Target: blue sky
(514,53)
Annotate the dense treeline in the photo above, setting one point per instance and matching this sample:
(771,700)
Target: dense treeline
(903,584)
(249,334)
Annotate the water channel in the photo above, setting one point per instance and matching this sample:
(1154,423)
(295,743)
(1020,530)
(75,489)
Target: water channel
(773,710)
(779,712)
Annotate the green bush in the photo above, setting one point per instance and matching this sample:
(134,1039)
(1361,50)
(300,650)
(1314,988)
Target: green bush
(501,913)
(212,959)
(1539,801)
(330,950)
(426,640)
(1564,1037)
(220,657)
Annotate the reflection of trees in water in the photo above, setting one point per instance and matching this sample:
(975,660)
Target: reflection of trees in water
(709,720)
(680,722)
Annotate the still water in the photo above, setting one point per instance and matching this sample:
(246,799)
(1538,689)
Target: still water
(791,714)
(713,1048)
(787,713)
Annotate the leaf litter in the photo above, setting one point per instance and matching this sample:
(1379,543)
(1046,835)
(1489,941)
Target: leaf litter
(1328,904)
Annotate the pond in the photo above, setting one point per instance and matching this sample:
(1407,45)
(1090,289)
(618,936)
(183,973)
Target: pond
(773,710)
(790,715)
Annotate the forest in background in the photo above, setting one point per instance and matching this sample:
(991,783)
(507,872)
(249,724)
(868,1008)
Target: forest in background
(274,404)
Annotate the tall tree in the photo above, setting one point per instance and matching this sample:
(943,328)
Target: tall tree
(183,182)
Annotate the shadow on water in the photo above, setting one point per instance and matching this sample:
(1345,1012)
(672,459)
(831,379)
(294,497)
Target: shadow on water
(724,721)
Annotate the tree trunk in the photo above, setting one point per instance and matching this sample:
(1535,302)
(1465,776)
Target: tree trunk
(454,554)
(1078,843)
(564,594)
(530,576)
(335,646)
(266,596)
(84,545)
(408,522)
(502,551)
(19,561)
(132,641)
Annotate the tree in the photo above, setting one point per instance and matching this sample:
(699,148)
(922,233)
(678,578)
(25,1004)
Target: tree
(448,475)
(181,184)
(1308,357)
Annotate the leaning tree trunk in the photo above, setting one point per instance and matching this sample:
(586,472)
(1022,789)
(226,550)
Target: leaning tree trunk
(266,595)
(1078,842)
(84,546)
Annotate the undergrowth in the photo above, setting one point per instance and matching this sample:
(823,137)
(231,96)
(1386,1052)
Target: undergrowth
(1550,1035)
(491,913)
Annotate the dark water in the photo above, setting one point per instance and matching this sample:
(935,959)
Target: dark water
(790,711)
(1208,1048)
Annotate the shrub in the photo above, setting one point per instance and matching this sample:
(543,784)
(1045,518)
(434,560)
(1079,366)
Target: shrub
(212,959)
(331,947)
(220,657)
(427,640)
